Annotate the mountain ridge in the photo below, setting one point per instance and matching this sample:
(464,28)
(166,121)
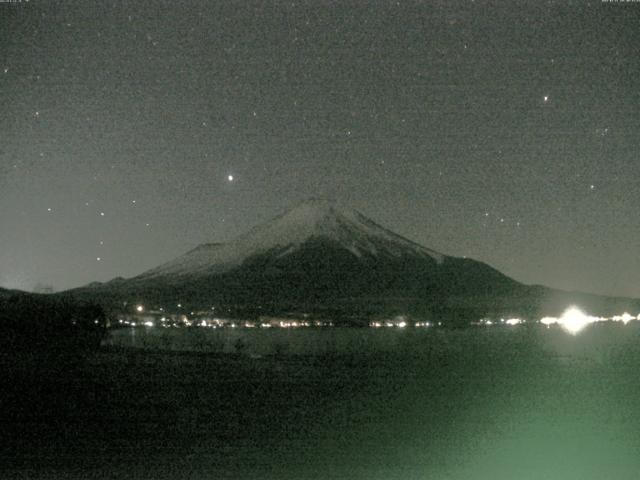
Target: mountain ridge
(328,260)
(312,218)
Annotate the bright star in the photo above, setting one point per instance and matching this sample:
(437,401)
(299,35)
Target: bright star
(230,178)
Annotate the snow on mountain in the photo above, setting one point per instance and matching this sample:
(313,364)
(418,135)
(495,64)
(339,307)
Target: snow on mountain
(313,219)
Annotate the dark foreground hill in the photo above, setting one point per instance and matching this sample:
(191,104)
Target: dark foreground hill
(48,326)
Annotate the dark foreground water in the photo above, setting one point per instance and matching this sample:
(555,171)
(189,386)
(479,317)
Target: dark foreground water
(519,403)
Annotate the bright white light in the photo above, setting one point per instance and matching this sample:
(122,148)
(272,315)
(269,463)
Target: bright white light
(139,308)
(573,320)
(148,324)
(626,318)
(513,321)
(548,321)
(230,178)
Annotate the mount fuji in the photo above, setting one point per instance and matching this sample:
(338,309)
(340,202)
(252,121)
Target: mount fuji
(328,260)
(313,221)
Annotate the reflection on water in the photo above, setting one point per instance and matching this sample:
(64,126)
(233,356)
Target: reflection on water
(506,403)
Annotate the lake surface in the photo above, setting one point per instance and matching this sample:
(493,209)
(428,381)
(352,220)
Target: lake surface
(486,403)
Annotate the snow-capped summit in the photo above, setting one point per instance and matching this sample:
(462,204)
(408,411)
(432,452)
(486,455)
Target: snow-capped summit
(314,219)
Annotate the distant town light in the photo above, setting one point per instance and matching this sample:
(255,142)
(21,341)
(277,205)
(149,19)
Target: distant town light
(139,308)
(573,320)
(626,318)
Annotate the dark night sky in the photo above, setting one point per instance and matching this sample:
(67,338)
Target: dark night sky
(505,132)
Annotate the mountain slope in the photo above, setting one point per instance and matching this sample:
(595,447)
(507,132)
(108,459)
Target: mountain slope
(325,259)
(284,235)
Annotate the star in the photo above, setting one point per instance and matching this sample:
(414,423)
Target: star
(102,214)
(49,210)
(230,178)
(98,259)
(545,98)
(592,187)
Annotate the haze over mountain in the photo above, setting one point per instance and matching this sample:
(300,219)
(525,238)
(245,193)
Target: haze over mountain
(325,259)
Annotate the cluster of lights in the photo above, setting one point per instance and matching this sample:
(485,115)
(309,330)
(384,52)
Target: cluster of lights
(400,322)
(574,321)
(388,324)
(168,321)
(502,321)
